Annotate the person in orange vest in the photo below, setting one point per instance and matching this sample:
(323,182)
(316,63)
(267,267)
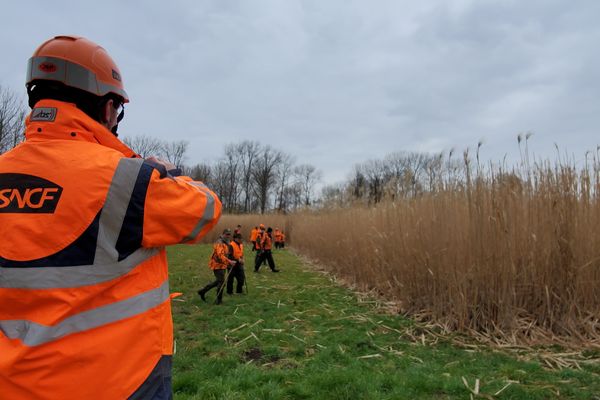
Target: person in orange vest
(237,270)
(253,236)
(85,309)
(282,240)
(238,230)
(277,238)
(259,236)
(220,261)
(264,253)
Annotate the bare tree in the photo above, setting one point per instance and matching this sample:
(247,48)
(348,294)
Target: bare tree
(294,195)
(408,169)
(358,183)
(307,176)
(199,172)
(284,173)
(374,172)
(174,152)
(248,153)
(333,195)
(264,174)
(220,177)
(231,164)
(12,119)
(145,146)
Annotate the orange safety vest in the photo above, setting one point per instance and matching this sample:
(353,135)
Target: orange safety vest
(282,237)
(277,236)
(85,310)
(219,258)
(265,242)
(238,250)
(259,239)
(253,235)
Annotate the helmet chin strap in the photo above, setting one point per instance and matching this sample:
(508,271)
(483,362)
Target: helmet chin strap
(119,118)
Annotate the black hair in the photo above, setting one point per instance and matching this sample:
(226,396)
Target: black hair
(89,103)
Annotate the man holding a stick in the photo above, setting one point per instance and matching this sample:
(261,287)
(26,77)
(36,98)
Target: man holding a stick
(237,271)
(219,262)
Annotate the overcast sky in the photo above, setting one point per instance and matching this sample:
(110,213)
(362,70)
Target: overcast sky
(334,82)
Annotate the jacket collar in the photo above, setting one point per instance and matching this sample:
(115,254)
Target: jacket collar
(64,121)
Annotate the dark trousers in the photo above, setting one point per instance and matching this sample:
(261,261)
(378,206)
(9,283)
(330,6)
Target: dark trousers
(261,257)
(157,385)
(263,260)
(237,273)
(218,283)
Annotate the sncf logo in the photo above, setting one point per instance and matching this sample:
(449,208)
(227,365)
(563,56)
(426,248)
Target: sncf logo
(20,193)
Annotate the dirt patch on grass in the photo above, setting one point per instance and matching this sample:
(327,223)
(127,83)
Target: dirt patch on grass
(257,356)
(253,354)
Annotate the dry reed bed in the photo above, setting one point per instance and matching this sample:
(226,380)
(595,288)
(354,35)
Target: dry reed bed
(503,255)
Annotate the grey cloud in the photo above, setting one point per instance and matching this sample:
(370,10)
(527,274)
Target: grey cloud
(339,82)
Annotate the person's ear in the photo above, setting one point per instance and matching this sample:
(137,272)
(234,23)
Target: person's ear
(105,112)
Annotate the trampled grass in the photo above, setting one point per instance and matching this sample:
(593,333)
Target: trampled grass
(297,335)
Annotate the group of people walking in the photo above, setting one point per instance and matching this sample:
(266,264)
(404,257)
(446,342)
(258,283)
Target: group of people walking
(227,258)
(262,242)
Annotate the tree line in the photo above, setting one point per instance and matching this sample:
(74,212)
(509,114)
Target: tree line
(248,177)
(251,177)
(401,174)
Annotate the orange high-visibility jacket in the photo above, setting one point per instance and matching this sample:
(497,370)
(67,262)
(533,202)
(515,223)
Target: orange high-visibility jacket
(277,235)
(85,310)
(220,255)
(259,239)
(265,241)
(282,235)
(253,234)
(238,250)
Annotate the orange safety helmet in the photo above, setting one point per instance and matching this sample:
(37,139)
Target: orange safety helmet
(76,62)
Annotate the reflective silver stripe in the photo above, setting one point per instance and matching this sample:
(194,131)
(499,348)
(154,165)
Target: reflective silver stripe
(209,213)
(106,265)
(34,334)
(70,74)
(114,209)
(198,184)
(70,277)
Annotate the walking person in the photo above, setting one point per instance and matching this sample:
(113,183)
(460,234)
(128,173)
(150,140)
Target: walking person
(237,230)
(264,253)
(282,242)
(237,271)
(259,236)
(277,238)
(85,309)
(253,235)
(219,262)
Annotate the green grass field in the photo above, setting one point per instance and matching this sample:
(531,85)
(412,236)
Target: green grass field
(297,335)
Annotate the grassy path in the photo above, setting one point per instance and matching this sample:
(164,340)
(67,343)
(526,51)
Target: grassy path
(296,335)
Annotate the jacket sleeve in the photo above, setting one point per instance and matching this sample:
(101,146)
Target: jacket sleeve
(177,210)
